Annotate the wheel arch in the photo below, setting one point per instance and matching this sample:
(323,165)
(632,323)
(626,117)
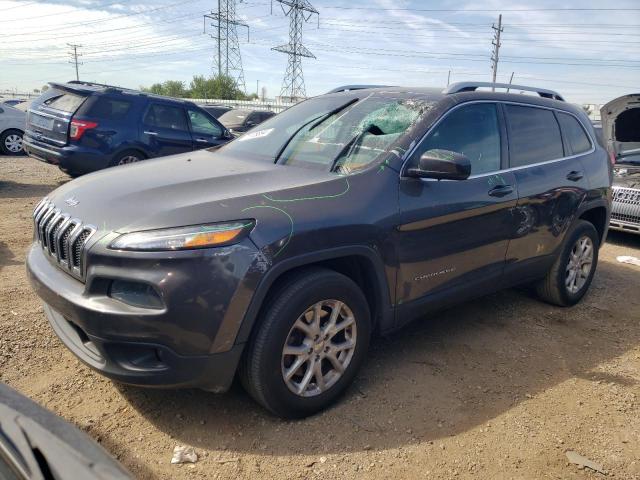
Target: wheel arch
(598,216)
(361,264)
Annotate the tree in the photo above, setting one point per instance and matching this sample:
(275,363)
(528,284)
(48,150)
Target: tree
(221,87)
(202,87)
(45,88)
(174,88)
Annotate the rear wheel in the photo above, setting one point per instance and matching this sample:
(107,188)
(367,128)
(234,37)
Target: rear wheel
(11,142)
(127,157)
(571,274)
(312,340)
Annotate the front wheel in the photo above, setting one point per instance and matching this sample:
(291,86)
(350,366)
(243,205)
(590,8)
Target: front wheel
(311,342)
(571,274)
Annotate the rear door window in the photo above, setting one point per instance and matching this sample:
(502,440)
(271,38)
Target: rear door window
(471,130)
(534,135)
(574,134)
(109,108)
(166,116)
(65,102)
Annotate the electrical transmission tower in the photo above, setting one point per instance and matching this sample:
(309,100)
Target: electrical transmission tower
(74,57)
(299,12)
(496,48)
(228,60)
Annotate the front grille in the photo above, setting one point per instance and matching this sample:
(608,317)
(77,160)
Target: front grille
(63,238)
(626,205)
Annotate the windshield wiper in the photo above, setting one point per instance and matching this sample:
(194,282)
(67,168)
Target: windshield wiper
(318,121)
(350,145)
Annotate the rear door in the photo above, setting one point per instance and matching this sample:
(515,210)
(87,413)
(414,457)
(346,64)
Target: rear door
(206,131)
(49,116)
(551,184)
(165,129)
(453,235)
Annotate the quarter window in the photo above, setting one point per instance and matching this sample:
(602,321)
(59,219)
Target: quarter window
(166,116)
(574,134)
(109,108)
(473,131)
(534,135)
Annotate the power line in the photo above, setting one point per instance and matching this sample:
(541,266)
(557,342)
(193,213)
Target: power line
(464,10)
(101,20)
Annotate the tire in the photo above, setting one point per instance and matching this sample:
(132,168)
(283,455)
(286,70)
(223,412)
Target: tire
(562,288)
(127,157)
(11,142)
(265,364)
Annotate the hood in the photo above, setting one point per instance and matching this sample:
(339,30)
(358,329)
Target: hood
(610,112)
(186,189)
(626,177)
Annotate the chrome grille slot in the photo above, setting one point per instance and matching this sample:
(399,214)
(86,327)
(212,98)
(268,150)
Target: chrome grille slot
(63,238)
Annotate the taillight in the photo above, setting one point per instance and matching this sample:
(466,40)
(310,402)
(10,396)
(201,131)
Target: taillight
(78,127)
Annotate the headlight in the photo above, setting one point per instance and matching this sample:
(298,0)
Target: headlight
(184,238)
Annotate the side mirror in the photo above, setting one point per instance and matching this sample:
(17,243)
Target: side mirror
(442,165)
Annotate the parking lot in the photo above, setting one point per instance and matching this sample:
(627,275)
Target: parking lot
(500,387)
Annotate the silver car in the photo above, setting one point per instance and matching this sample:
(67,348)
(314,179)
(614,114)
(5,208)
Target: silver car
(620,120)
(12,123)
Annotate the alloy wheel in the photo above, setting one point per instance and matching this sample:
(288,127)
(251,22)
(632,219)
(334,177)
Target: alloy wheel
(579,265)
(13,143)
(319,348)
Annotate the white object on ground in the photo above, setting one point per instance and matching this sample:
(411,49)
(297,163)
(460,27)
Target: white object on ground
(183,454)
(583,462)
(629,260)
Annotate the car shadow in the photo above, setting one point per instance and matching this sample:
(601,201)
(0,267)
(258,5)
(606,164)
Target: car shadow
(438,377)
(10,189)
(623,239)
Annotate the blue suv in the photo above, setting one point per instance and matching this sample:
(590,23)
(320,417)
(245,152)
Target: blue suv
(83,127)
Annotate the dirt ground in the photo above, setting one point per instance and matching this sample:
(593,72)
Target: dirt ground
(497,388)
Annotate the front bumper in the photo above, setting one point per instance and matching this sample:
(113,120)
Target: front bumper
(188,343)
(625,210)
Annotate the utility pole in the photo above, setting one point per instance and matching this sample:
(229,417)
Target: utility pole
(74,57)
(228,60)
(448,77)
(496,49)
(258,88)
(510,81)
(299,12)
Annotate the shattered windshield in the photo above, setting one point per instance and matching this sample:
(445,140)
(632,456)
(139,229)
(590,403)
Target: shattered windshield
(333,133)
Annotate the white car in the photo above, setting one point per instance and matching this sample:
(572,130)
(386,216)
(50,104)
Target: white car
(12,124)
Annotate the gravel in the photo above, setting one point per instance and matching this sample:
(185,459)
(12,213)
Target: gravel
(501,387)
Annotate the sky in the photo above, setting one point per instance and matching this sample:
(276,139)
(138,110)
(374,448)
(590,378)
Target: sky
(587,50)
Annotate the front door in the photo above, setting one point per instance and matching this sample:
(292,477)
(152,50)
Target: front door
(454,235)
(205,131)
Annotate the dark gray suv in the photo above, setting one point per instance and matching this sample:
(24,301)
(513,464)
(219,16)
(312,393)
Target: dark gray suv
(279,255)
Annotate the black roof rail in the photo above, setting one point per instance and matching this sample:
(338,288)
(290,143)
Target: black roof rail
(346,88)
(473,86)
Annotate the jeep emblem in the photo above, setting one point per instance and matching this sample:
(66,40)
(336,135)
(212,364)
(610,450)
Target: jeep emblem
(72,201)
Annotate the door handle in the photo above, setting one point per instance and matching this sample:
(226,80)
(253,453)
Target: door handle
(501,191)
(149,132)
(202,140)
(575,176)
